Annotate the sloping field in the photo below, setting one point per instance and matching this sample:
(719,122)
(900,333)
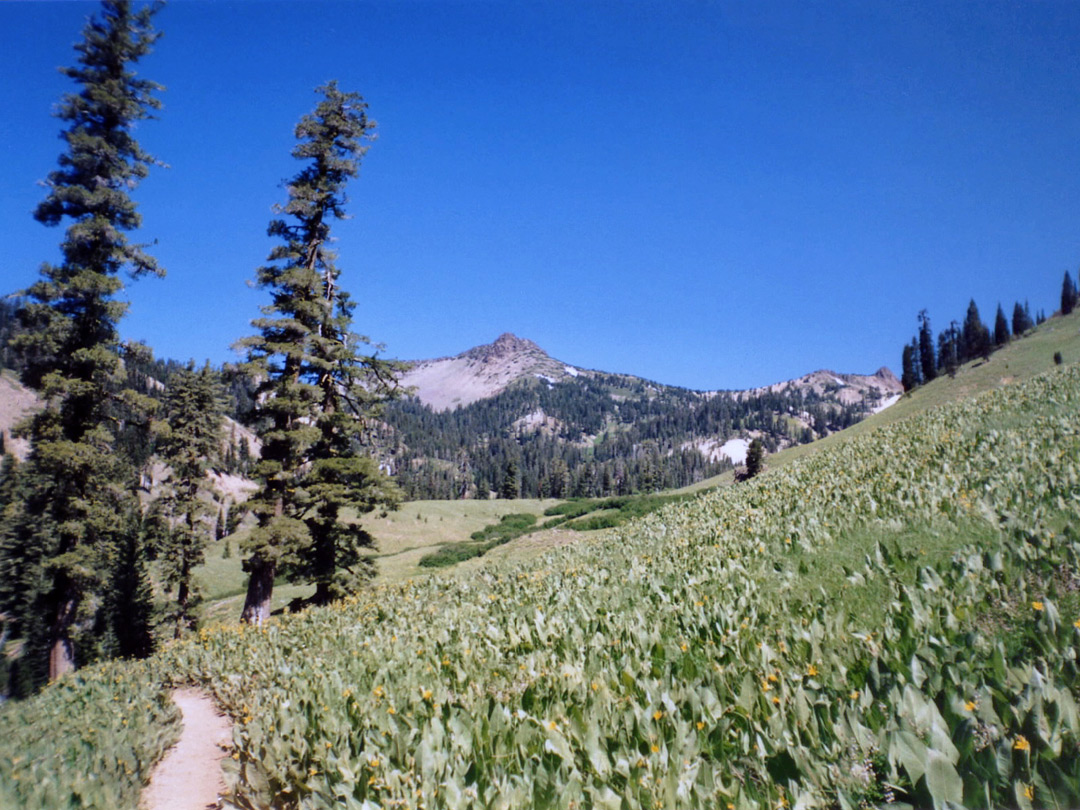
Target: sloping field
(893,618)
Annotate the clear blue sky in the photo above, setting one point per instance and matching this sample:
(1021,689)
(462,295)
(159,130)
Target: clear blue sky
(707,194)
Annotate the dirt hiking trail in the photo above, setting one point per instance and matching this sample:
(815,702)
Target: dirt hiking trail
(189,777)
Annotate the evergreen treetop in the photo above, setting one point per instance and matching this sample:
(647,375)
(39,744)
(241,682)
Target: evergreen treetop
(1068,294)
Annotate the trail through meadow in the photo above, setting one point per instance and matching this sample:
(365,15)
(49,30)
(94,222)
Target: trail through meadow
(189,777)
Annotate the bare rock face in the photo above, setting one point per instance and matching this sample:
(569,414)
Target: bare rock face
(482,372)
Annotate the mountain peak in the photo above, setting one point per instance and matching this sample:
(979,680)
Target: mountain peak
(505,345)
(482,372)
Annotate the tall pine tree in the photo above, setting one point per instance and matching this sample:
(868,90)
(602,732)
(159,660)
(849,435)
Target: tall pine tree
(319,392)
(72,525)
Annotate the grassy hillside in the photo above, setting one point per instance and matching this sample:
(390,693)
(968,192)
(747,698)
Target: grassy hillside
(1020,360)
(892,617)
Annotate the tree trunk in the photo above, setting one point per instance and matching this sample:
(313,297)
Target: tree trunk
(61,650)
(322,594)
(260,589)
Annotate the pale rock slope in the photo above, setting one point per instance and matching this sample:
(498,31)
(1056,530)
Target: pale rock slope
(482,372)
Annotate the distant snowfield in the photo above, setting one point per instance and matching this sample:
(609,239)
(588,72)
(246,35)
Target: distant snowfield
(736,450)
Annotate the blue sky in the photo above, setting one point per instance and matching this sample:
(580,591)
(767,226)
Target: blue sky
(707,194)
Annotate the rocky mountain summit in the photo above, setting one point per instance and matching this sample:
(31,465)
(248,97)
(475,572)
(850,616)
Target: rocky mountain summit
(482,372)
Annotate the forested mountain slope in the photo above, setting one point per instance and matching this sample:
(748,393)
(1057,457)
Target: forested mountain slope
(506,418)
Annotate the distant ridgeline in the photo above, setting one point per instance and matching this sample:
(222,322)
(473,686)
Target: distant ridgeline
(925,358)
(594,436)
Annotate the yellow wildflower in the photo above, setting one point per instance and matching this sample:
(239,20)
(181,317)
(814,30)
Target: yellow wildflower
(812,671)
(1029,792)
(700,725)
(970,706)
(657,714)
(1021,743)
(1037,605)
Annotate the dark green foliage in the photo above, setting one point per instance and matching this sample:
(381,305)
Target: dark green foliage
(911,368)
(1001,328)
(1021,320)
(755,458)
(927,358)
(949,349)
(507,525)
(975,337)
(508,528)
(189,442)
(510,487)
(318,393)
(9,328)
(75,521)
(124,621)
(1068,294)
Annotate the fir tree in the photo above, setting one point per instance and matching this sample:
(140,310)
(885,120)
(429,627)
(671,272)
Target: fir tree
(949,349)
(1068,294)
(927,358)
(910,375)
(75,519)
(1001,327)
(190,443)
(975,337)
(1021,320)
(510,482)
(755,458)
(318,392)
